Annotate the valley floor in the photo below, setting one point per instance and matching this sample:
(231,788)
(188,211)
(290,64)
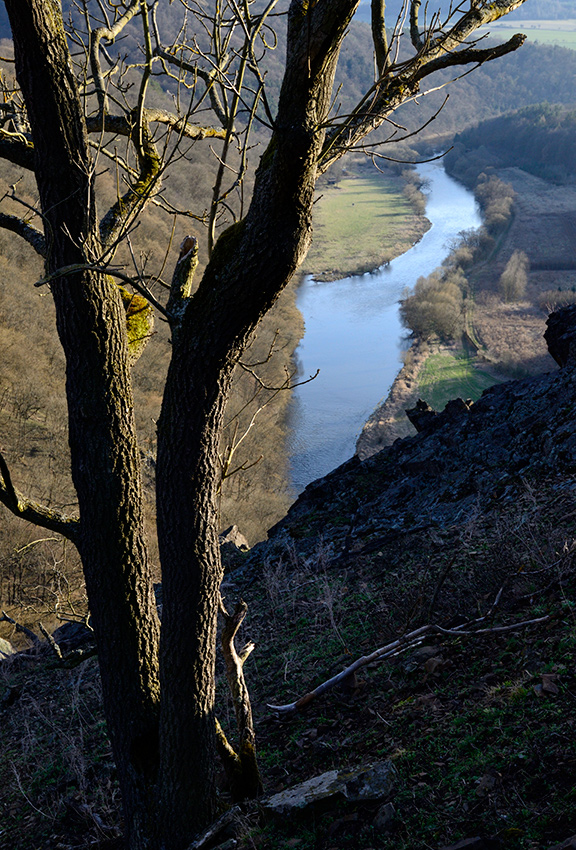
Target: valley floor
(507,338)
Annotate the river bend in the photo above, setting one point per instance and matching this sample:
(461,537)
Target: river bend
(355,337)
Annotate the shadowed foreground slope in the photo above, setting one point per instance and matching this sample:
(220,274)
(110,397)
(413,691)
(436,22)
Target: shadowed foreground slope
(473,521)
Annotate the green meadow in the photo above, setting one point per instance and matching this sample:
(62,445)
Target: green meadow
(360,224)
(446,376)
(560,33)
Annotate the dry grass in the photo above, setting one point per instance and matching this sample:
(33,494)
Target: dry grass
(512,336)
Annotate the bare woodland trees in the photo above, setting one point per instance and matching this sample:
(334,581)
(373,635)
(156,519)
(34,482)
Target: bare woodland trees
(513,280)
(65,119)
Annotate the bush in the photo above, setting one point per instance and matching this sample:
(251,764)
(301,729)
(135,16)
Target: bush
(435,307)
(496,199)
(514,278)
(554,299)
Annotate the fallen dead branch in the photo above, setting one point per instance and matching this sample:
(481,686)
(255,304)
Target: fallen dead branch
(32,636)
(401,645)
(216,829)
(36,653)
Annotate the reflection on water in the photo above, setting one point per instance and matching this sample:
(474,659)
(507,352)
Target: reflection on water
(354,336)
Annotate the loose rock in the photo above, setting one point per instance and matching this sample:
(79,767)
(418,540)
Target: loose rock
(372,782)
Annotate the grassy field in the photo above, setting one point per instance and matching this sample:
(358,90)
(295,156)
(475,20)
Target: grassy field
(561,33)
(446,376)
(365,211)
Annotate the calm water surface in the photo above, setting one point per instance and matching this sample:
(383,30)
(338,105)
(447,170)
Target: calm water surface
(355,337)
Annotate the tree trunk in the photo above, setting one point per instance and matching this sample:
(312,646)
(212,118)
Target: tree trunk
(252,262)
(104,453)
(187,467)
(247,272)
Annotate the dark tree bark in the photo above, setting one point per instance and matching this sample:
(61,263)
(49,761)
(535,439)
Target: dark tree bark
(103,448)
(247,272)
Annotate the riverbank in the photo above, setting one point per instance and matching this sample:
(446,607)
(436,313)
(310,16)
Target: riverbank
(509,335)
(389,421)
(435,372)
(354,336)
(382,213)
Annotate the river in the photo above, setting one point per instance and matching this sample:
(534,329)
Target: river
(355,337)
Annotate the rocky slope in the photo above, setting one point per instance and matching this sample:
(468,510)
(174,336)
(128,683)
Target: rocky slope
(467,458)
(472,521)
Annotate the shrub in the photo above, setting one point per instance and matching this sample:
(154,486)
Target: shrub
(553,299)
(435,307)
(514,278)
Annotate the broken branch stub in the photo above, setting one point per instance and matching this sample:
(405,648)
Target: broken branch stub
(246,782)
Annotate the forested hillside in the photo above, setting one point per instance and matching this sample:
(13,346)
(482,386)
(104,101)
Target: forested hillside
(536,9)
(539,139)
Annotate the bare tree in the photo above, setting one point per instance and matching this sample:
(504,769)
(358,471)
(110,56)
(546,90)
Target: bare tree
(64,119)
(514,278)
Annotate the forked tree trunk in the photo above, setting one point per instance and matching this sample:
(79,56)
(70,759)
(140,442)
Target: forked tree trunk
(251,264)
(104,452)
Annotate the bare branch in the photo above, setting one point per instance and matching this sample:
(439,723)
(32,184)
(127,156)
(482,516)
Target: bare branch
(109,34)
(207,77)
(17,150)
(472,55)
(39,515)
(137,283)
(182,126)
(414,31)
(52,643)
(145,78)
(402,80)
(285,386)
(140,191)
(379,36)
(403,644)
(211,836)
(123,126)
(34,237)
(32,636)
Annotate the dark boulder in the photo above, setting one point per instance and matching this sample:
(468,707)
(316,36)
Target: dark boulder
(422,416)
(560,335)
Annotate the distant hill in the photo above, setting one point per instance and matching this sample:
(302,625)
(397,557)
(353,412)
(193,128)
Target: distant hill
(539,139)
(532,9)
